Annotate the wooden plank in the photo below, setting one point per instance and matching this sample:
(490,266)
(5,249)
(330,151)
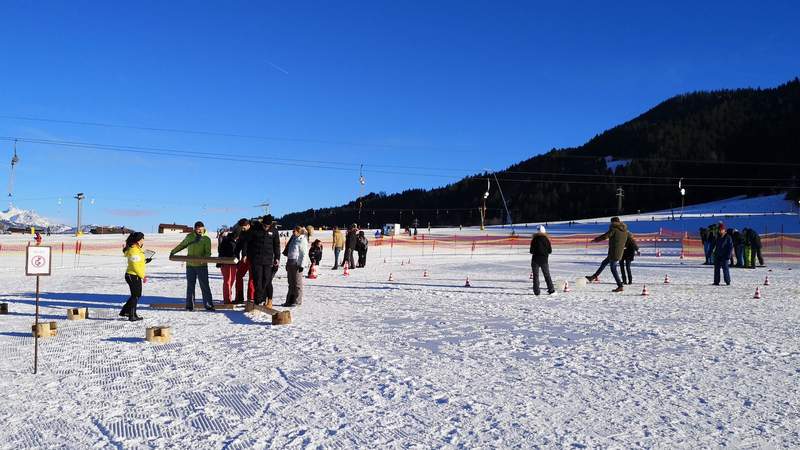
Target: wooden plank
(266,310)
(199,260)
(197,306)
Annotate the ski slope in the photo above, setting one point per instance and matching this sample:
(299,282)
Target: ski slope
(766,214)
(414,363)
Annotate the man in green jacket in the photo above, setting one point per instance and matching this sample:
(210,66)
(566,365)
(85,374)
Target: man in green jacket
(197,245)
(617,234)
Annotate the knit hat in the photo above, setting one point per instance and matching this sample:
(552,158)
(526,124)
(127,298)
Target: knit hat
(199,224)
(721,227)
(540,229)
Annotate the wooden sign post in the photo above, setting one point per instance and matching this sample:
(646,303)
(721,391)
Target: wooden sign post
(38,262)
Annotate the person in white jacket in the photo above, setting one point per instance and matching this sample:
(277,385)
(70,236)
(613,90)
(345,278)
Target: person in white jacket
(296,251)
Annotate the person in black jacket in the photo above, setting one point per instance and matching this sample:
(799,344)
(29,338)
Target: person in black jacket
(631,250)
(755,242)
(315,252)
(723,246)
(243,268)
(540,253)
(361,248)
(227,249)
(350,240)
(263,254)
(738,247)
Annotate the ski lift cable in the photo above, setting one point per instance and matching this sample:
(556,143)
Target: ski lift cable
(338,165)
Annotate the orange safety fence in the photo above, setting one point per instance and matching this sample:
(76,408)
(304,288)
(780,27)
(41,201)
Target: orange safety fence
(666,242)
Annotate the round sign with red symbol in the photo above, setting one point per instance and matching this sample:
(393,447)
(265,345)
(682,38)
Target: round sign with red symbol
(38,261)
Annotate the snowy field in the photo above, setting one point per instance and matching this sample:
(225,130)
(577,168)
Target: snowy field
(414,363)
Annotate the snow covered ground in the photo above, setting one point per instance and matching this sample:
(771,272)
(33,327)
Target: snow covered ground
(418,362)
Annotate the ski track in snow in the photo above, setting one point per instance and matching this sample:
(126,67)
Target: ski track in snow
(414,363)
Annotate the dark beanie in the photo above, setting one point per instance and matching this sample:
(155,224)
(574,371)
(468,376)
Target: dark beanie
(199,224)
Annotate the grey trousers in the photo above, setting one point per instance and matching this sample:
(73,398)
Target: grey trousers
(295,294)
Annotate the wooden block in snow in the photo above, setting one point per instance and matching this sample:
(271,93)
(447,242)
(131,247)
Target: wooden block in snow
(77,313)
(159,335)
(44,329)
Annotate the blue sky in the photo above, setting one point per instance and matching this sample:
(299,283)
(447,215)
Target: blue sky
(449,87)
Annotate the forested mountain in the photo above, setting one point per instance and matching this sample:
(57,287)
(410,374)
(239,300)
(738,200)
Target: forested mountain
(722,143)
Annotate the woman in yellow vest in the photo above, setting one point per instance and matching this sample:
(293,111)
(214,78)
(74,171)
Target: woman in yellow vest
(134,276)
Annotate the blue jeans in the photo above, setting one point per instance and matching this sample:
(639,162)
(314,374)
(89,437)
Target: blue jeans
(601,268)
(707,250)
(336,257)
(726,274)
(614,269)
(615,272)
(194,274)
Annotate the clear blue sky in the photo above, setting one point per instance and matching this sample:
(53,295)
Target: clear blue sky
(453,87)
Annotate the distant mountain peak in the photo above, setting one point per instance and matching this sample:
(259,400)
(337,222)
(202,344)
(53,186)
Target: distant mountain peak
(17,216)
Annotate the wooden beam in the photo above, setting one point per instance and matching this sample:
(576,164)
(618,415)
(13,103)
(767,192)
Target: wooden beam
(203,260)
(225,306)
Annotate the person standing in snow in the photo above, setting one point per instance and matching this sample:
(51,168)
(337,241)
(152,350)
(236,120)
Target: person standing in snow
(263,254)
(723,246)
(295,251)
(338,245)
(350,246)
(540,254)
(617,235)
(706,244)
(227,249)
(738,247)
(631,250)
(135,274)
(361,247)
(198,245)
(243,267)
(755,242)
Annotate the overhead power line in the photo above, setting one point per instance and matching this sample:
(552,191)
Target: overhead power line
(558,177)
(216,133)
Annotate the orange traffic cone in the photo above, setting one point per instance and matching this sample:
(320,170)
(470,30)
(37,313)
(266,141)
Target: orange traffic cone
(766,281)
(425,274)
(346,269)
(391,278)
(312,272)
(566,286)
(644,290)
(466,284)
(666,279)
(758,293)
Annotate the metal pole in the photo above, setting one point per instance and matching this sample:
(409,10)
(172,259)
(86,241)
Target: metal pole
(36,331)
(79,197)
